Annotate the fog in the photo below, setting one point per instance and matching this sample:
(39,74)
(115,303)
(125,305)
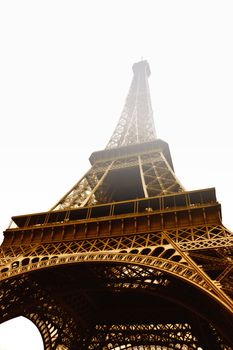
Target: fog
(65,71)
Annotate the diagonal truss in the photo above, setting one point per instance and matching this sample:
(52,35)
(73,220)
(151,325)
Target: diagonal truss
(157,179)
(90,189)
(136,336)
(126,228)
(25,297)
(135,127)
(136,123)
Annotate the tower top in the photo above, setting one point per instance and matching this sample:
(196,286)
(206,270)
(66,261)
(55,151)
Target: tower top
(136,124)
(135,164)
(141,67)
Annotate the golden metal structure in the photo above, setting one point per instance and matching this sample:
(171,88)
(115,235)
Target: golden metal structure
(127,259)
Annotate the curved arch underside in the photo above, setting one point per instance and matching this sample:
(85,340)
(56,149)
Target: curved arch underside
(115,306)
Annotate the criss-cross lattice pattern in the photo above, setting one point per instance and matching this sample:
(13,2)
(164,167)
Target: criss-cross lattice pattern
(136,123)
(157,179)
(25,297)
(144,336)
(60,330)
(127,259)
(135,127)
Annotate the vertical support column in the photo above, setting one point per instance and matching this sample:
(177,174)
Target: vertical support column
(142,177)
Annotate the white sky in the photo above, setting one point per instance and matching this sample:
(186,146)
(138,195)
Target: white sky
(65,71)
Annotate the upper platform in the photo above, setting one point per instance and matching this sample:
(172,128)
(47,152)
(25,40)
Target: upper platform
(132,150)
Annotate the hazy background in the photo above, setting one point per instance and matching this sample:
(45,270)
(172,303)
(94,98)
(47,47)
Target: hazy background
(65,71)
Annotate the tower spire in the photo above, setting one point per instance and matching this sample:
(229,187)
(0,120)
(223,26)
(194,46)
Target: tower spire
(135,164)
(136,124)
(127,258)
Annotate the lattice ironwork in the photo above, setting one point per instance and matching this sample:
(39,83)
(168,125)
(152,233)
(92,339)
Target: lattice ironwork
(88,189)
(156,179)
(58,325)
(144,336)
(188,239)
(159,178)
(127,259)
(136,124)
(25,297)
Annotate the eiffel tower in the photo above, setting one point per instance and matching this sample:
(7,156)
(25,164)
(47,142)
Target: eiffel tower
(127,259)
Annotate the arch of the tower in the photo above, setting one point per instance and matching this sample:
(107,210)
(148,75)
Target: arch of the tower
(127,259)
(112,304)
